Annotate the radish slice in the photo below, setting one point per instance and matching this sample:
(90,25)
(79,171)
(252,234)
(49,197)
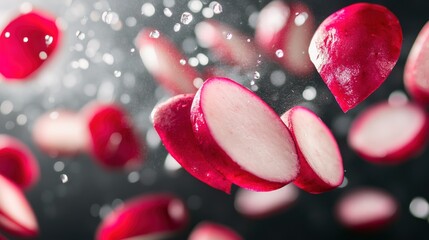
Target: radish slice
(416,73)
(153,216)
(389,133)
(213,231)
(321,164)
(163,60)
(16,214)
(26,43)
(227,43)
(284,32)
(265,204)
(172,121)
(354,51)
(366,209)
(17,162)
(243,137)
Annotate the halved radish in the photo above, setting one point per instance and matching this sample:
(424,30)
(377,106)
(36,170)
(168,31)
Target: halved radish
(17,162)
(152,216)
(172,121)
(164,61)
(354,51)
(213,231)
(389,133)
(284,32)
(16,214)
(243,137)
(321,164)
(416,72)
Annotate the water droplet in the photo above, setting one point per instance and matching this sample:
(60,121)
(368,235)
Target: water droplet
(59,166)
(80,35)
(195,5)
(193,62)
(419,208)
(108,58)
(278,78)
(203,59)
(168,12)
(228,36)
(182,61)
(7,34)
(169,3)
(208,12)
(217,8)
(6,107)
(43,55)
(154,34)
(21,119)
(117,73)
(109,17)
(177,27)
(131,21)
(64,178)
(133,177)
(279,53)
(301,18)
(186,18)
(48,40)
(309,93)
(25,39)
(148,9)
(256,75)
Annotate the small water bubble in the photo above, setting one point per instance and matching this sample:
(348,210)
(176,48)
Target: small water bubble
(168,12)
(9,125)
(108,58)
(25,39)
(203,59)
(186,18)
(182,61)
(154,34)
(133,177)
(309,93)
(148,9)
(279,53)
(48,40)
(132,50)
(125,98)
(64,178)
(177,27)
(256,75)
(216,7)
(195,5)
(208,12)
(117,73)
(130,21)
(7,34)
(6,107)
(43,55)
(228,36)
(169,3)
(83,63)
(109,17)
(301,18)
(80,35)
(419,208)
(193,62)
(21,119)
(278,78)
(59,166)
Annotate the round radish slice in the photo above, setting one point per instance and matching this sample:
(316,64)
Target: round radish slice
(172,121)
(153,216)
(366,209)
(16,214)
(213,231)
(243,137)
(17,162)
(389,133)
(321,164)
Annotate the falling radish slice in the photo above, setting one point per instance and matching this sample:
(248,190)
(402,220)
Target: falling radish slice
(416,73)
(366,209)
(26,43)
(172,121)
(242,136)
(213,231)
(355,49)
(227,43)
(17,162)
(166,63)
(153,216)
(284,32)
(321,164)
(16,215)
(265,204)
(389,133)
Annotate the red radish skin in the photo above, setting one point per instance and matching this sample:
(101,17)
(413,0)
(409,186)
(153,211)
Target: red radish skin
(163,60)
(355,49)
(26,43)
(172,121)
(213,231)
(416,72)
(16,215)
(17,162)
(152,216)
(243,137)
(288,28)
(389,133)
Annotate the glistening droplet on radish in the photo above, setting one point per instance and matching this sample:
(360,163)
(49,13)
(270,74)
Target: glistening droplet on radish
(213,231)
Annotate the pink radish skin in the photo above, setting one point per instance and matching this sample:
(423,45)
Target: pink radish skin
(152,216)
(321,164)
(389,134)
(289,28)
(16,215)
(355,49)
(213,231)
(162,59)
(416,72)
(172,121)
(243,137)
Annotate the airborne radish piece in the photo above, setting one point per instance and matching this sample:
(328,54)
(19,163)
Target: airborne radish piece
(284,32)
(166,63)
(389,133)
(26,43)
(16,215)
(321,164)
(213,231)
(242,136)
(355,49)
(153,216)
(172,121)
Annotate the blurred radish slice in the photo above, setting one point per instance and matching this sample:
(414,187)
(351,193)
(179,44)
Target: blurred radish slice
(284,32)
(321,164)
(16,215)
(26,43)
(416,73)
(243,137)
(172,121)
(153,216)
(166,63)
(265,204)
(227,43)
(2,237)
(366,209)
(17,162)
(386,133)
(354,51)
(213,231)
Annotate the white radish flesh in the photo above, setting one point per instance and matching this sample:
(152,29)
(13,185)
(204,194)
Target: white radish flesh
(213,231)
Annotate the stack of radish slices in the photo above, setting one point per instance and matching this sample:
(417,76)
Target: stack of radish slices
(226,134)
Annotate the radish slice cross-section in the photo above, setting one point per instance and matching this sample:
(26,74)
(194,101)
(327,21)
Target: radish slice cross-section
(213,231)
